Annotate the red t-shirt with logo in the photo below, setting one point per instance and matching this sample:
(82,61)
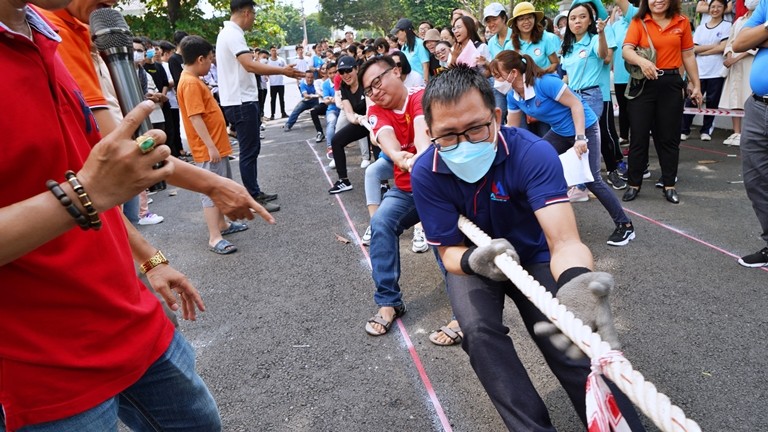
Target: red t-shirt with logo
(76,325)
(401,122)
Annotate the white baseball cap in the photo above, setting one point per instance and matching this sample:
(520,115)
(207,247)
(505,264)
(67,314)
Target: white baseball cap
(493,10)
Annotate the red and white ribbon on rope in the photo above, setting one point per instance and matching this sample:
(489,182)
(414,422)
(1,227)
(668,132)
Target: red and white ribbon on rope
(713,112)
(603,415)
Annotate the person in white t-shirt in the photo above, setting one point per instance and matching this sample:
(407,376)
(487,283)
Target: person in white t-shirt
(709,41)
(276,84)
(239,94)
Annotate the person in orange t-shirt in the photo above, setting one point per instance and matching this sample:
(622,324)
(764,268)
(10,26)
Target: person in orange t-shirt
(658,107)
(207,133)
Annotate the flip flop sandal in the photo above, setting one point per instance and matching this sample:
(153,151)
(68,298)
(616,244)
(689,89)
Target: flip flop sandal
(234,227)
(223,247)
(378,319)
(454,333)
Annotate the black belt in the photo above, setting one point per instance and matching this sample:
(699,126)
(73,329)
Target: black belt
(586,89)
(763,99)
(661,72)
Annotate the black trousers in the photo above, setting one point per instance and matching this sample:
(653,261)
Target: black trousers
(623,112)
(315,113)
(277,92)
(659,108)
(712,89)
(262,100)
(348,134)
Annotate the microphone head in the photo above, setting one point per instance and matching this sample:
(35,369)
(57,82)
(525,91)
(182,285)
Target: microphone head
(109,29)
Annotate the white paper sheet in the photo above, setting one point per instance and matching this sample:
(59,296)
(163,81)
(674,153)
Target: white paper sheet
(576,170)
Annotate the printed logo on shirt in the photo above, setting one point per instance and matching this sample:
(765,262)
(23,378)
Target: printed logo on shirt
(537,52)
(498,193)
(583,54)
(372,120)
(677,31)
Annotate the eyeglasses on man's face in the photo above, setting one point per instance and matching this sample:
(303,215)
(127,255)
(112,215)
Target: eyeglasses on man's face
(474,134)
(375,83)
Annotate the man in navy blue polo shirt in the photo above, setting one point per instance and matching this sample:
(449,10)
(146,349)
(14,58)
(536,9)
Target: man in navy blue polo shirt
(510,183)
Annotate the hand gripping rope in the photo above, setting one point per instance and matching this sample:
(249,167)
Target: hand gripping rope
(655,405)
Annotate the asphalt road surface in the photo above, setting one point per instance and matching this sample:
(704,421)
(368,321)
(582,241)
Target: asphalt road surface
(282,345)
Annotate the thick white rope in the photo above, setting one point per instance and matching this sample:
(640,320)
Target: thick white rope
(656,405)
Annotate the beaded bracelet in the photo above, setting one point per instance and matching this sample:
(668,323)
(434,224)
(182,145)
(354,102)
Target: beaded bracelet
(73,211)
(85,200)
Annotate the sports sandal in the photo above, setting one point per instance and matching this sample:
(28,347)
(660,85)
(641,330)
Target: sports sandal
(454,333)
(234,227)
(223,247)
(378,319)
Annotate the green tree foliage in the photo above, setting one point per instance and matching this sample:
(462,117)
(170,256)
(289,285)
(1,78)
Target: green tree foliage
(437,12)
(361,14)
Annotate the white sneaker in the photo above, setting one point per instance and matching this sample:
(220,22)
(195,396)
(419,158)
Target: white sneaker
(577,195)
(151,219)
(364,164)
(733,140)
(150,201)
(366,239)
(419,243)
(683,137)
(332,164)
(706,137)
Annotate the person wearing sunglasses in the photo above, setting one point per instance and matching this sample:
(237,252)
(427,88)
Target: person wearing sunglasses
(510,183)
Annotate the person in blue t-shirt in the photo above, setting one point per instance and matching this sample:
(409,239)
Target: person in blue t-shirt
(412,46)
(574,124)
(309,99)
(754,137)
(510,183)
(327,107)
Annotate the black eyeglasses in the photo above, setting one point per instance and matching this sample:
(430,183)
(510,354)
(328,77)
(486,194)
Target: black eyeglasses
(138,50)
(375,83)
(345,71)
(397,64)
(475,134)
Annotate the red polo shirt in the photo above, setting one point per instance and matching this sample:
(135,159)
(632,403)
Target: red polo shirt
(77,325)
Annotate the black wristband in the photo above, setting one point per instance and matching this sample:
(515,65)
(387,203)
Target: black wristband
(465,261)
(570,274)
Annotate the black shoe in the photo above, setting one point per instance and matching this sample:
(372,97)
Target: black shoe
(757,259)
(671,196)
(268,206)
(271,117)
(621,235)
(265,197)
(340,186)
(630,194)
(285,115)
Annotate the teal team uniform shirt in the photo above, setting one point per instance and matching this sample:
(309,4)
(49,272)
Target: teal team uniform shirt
(540,52)
(542,102)
(582,64)
(417,56)
(620,74)
(494,47)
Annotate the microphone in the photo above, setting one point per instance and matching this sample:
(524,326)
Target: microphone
(114,40)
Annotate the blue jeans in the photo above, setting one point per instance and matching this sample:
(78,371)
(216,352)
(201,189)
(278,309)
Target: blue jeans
(479,304)
(593,98)
(382,169)
(603,193)
(131,209)
(331,117)
(396,214)
(304,105)
(501,102)
(246,120)
(169,397)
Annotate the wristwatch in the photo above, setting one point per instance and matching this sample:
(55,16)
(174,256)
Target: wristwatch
(154,261)
(581,138)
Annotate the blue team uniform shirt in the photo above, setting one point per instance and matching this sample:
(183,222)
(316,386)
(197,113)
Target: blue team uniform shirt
(328,91)
(525,176)
(541,102)
(308,88)
(540,51)
(605,72)
(583,65)
(758,79)
(417,57)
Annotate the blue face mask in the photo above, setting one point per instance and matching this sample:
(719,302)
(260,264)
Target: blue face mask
(150,53)
(470,161)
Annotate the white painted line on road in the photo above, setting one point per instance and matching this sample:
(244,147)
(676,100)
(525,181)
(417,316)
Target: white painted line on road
(403,331)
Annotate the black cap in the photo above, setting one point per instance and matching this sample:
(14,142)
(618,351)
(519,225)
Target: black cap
(346,63)
(402,24)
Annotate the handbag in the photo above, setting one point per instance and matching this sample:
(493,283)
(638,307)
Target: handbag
(637,78)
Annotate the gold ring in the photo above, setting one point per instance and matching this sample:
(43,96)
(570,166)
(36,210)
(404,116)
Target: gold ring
(145,143)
